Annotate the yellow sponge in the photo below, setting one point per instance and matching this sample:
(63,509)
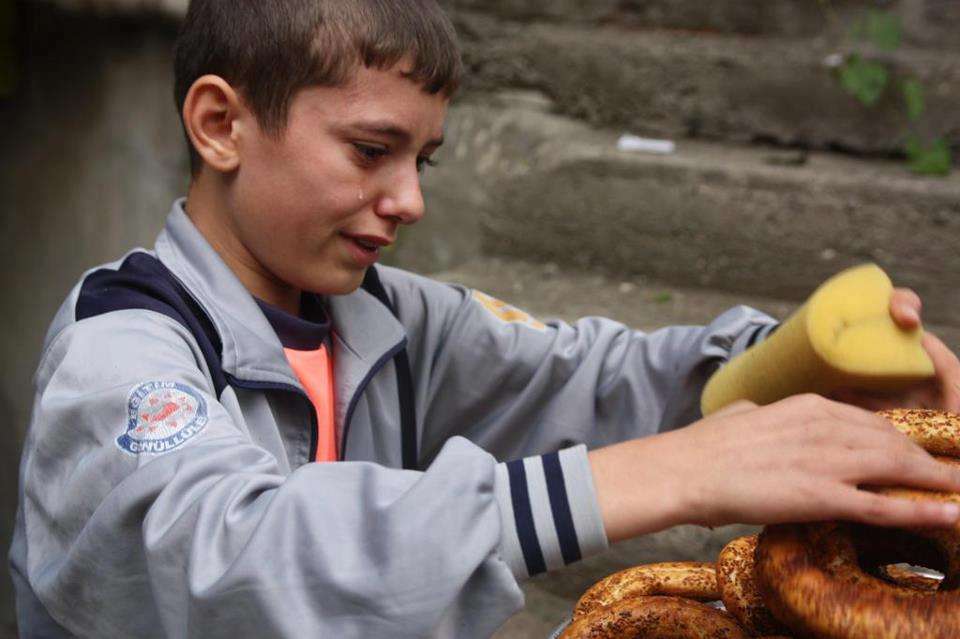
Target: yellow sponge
(842,337)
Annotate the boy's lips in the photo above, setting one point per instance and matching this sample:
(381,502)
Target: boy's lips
(365,249)
(373,241)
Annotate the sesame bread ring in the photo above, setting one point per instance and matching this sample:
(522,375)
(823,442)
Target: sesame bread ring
(823,603)
(859,555)
(812,579)
(738,587)
(693,579)
(937,431)
(656,617)
(946,540)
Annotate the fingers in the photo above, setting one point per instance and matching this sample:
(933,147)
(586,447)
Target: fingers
(905,307)
(947,368)
(881,510)
(804,459)
(907,465)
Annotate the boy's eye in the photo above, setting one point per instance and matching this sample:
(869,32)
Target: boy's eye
(369,152)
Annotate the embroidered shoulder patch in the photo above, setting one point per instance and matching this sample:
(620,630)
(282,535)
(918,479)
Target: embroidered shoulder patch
(162,416)
(507,313)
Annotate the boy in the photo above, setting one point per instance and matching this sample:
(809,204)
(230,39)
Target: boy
(178,478)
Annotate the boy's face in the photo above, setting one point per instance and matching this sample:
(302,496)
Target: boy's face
(313,209)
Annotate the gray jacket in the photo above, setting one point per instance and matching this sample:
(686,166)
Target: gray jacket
(166,489)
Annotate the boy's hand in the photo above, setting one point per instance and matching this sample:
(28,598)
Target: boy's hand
(942,392)
(800,459)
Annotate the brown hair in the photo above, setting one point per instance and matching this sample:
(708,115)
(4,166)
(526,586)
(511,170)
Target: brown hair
(269,50)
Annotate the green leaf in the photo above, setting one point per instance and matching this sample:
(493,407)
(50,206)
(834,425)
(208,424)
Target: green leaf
(883,29)
(663,298)
(913,97)
(858,30)
(934,158)
(864,79)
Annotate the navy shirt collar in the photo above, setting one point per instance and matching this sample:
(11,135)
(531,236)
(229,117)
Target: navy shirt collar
(305,333)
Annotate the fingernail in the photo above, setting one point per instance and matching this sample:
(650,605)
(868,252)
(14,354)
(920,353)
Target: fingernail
(911,314)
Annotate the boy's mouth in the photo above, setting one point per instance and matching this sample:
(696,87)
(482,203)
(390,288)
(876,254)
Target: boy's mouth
(366,247)
(368,242)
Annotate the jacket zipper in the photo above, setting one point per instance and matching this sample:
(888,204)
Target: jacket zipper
(380,363)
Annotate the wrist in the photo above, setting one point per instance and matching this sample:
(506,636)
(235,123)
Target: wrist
(638,490)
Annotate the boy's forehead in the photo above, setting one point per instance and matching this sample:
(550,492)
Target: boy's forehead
(385,99)
(365,82)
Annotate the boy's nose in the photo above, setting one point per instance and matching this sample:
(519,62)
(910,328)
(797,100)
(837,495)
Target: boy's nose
(403,200)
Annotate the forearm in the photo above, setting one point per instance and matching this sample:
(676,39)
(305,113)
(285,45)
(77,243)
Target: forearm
(637,489)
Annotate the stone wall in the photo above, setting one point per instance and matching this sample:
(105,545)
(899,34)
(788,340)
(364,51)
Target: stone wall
(734,70)
(731,71)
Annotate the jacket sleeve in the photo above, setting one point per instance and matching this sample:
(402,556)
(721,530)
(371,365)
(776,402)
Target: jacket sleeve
(517,386)
(215,537)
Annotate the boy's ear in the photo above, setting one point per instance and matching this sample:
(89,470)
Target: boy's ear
(210,115)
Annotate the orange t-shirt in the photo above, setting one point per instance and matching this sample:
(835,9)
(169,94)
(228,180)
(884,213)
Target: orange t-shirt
(314,369)
(304,342)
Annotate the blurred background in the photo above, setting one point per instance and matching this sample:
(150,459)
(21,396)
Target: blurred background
(794,138)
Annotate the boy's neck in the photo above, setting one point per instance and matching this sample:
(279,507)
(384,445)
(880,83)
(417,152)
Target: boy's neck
(206,208)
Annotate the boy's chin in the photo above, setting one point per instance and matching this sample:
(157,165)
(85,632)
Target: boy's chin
(344,284)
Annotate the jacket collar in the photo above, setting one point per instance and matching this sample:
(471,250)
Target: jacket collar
(364,330)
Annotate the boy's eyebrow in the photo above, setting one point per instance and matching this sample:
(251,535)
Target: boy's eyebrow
(385,127)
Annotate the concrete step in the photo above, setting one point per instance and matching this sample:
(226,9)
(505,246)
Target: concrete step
(725,87)
(522,182)
(550,290)
(931,23)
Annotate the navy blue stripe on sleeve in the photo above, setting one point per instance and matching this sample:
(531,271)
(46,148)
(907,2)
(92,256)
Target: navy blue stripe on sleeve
(523,514)
(560,506)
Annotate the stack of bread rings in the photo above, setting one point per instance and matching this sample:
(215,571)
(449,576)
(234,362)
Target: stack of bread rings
(803,581)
